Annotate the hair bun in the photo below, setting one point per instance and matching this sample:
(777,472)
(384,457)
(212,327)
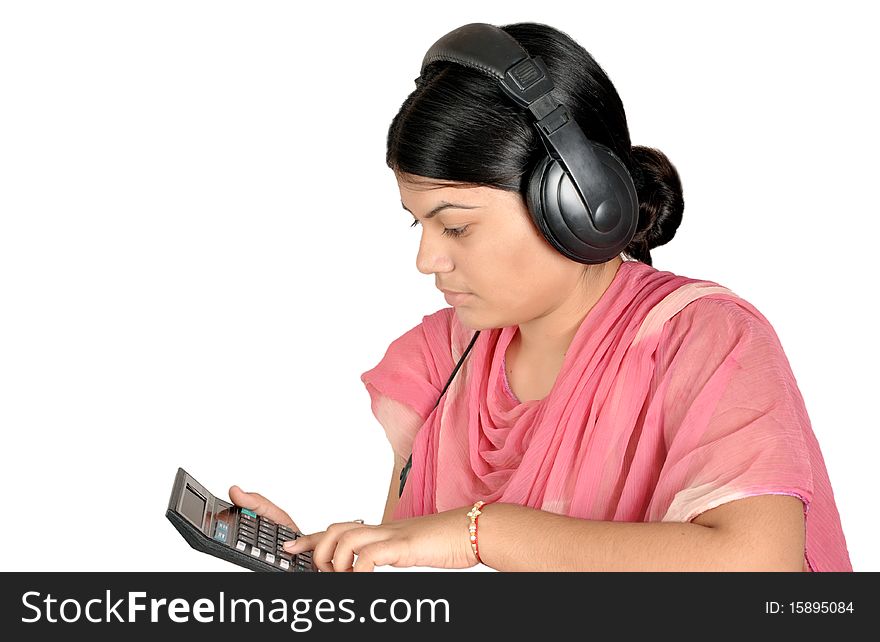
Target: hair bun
(661,201)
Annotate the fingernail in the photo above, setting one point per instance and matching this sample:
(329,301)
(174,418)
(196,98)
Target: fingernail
(289,545)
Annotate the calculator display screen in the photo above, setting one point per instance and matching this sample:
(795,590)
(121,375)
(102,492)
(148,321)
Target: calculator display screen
(192,506)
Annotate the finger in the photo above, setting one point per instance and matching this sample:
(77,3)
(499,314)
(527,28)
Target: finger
(261,506)
(351,542)
(303,543)
(378,554)
(322,556)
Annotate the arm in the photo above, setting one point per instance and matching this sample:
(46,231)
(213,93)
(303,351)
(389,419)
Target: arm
(391,501)
(760,533)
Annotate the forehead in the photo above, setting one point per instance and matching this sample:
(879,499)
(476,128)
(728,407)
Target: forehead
(423,190)
(412,183)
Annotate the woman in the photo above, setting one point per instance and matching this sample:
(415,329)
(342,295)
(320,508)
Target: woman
(602,415)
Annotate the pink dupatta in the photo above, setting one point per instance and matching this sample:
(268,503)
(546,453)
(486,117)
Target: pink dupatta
(675,396)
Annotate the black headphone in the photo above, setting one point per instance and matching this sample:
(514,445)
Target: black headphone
(580,195)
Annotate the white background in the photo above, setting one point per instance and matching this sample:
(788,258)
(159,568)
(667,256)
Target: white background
(201,248)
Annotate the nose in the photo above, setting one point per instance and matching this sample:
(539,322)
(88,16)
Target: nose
(432,256)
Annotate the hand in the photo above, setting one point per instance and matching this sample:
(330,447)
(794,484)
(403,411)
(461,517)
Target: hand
(261,506)
(440,540)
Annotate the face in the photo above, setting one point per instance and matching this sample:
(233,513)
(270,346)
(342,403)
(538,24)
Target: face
(494,252)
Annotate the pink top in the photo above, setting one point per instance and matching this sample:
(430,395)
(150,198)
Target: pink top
(675,396)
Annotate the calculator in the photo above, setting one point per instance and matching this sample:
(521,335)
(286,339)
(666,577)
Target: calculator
(232,533)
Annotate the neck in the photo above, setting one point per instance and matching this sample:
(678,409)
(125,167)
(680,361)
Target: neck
(546,338)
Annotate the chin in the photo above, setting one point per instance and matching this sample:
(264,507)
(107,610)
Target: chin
(472,321)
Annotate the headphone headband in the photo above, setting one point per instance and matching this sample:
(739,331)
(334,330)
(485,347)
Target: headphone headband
(493,51)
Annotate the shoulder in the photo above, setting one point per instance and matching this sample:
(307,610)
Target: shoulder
(433,325)
(424,347)
(414,363)
(447,332)
(720,315)
(718,328)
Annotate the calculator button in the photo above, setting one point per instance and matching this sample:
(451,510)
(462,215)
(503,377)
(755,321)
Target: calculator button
(241,546)
(284,564)
(247,512)
(255,551)
(270,558)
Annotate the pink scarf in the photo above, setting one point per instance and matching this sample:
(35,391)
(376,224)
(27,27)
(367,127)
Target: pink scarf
(675,396)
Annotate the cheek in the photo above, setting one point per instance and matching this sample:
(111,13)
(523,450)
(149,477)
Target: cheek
(511,283)
(540,275)
(516,267)
(533,259)
(502,275)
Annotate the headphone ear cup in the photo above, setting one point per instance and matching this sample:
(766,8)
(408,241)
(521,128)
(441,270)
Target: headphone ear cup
(535,199)
(559,213)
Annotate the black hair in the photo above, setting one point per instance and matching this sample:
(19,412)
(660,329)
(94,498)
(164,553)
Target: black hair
(458,125)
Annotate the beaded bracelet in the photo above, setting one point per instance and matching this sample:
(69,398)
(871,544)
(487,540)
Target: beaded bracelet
(474,514)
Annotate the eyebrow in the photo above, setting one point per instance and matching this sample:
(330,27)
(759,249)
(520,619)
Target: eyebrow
(443,206)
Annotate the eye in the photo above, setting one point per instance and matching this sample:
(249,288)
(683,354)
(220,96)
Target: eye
(447,231)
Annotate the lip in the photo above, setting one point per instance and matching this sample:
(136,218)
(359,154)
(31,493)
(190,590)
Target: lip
(455,298)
